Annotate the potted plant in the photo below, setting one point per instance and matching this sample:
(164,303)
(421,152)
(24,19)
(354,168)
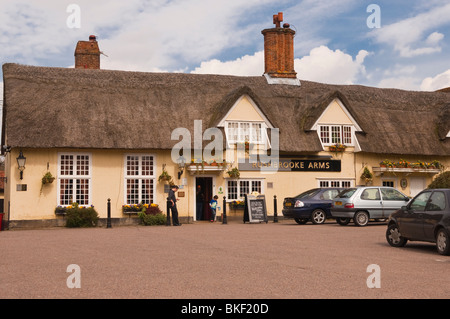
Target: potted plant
(367,176)
(234,172)
(47,178)
(338,147)
(386,163)
(164,177)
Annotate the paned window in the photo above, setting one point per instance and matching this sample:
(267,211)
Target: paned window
(238,189)
(139,179)
(336,134)
(74,179)
(240,132)
(335,183)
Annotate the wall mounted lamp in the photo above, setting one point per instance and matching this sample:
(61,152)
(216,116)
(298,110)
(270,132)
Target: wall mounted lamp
(21,160)
(181,163)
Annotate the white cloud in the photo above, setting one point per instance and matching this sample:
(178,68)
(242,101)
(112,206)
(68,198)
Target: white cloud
(248,65)
(434,38)
(404,82)
(328,66)
(440,81)
(407,36)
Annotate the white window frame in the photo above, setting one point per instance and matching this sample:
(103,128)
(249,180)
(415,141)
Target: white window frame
(329,183)
(330,139)
(246,132)
(74,177)
(140,177)
(239,193)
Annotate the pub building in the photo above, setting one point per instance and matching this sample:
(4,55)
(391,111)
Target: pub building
(109,135)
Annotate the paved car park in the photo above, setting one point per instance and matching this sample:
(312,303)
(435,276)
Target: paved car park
(215,261)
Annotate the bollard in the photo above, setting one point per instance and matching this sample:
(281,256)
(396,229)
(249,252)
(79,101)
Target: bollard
(275,216)
(224,216)
(108,219)
(168,212)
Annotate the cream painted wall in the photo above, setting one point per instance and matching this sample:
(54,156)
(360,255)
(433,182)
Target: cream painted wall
(108,181)
(244,111)
(334,114)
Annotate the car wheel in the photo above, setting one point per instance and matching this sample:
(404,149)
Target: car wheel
(361,218)
(393,236)
(301,221)
(342,221)
(443,242)
(318,216)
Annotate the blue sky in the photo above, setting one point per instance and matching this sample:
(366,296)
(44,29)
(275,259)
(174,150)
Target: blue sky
(333,44)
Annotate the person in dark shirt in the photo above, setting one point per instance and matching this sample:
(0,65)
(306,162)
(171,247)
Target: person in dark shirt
(199,201)
(172,198)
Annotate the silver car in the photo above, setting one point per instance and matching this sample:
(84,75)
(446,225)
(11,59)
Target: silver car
(365,203)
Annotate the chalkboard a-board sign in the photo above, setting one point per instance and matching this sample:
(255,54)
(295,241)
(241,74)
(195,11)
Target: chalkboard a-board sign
(255,209)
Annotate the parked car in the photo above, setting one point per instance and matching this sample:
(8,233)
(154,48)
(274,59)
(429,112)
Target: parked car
(363,204)
(425,218)
(312,205)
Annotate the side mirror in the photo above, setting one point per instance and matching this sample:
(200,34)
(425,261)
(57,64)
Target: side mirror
(406,199)
(404,208)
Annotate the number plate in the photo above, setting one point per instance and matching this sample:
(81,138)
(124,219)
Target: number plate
(338,203)
(288,204)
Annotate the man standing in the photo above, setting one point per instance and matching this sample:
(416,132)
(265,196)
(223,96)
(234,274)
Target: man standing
(173,208)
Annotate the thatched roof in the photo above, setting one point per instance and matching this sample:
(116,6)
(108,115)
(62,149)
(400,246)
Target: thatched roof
(72,108)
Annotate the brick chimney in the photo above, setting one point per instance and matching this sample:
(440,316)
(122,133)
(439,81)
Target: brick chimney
(279,51)
(87,54)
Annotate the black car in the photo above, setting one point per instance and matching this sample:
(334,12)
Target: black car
(425,218)
(312,205)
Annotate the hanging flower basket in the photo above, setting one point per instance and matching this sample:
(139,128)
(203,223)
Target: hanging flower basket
(336,148)
(47,178)
(234,173)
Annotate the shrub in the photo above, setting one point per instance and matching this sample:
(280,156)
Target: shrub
(153,209)
(152,219)
(77,216)
(441,181)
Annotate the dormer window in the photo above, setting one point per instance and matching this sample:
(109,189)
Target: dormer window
(336,134)
(241,132)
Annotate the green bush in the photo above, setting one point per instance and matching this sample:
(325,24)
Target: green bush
(441,181)
(81,216)
(152,219)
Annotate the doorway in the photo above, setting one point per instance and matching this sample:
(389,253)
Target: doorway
(204,193)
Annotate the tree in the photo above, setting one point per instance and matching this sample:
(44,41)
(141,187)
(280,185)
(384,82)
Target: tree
(441,181)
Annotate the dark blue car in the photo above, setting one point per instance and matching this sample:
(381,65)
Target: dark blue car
(425,218)
(312,205)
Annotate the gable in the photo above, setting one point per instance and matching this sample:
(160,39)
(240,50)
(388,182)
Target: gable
(246,110)
(336,113)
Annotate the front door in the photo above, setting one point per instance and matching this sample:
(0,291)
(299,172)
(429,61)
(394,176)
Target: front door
(204,194)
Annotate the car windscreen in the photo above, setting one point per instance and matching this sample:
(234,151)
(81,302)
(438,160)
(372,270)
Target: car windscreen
(308,194)
(347,193)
